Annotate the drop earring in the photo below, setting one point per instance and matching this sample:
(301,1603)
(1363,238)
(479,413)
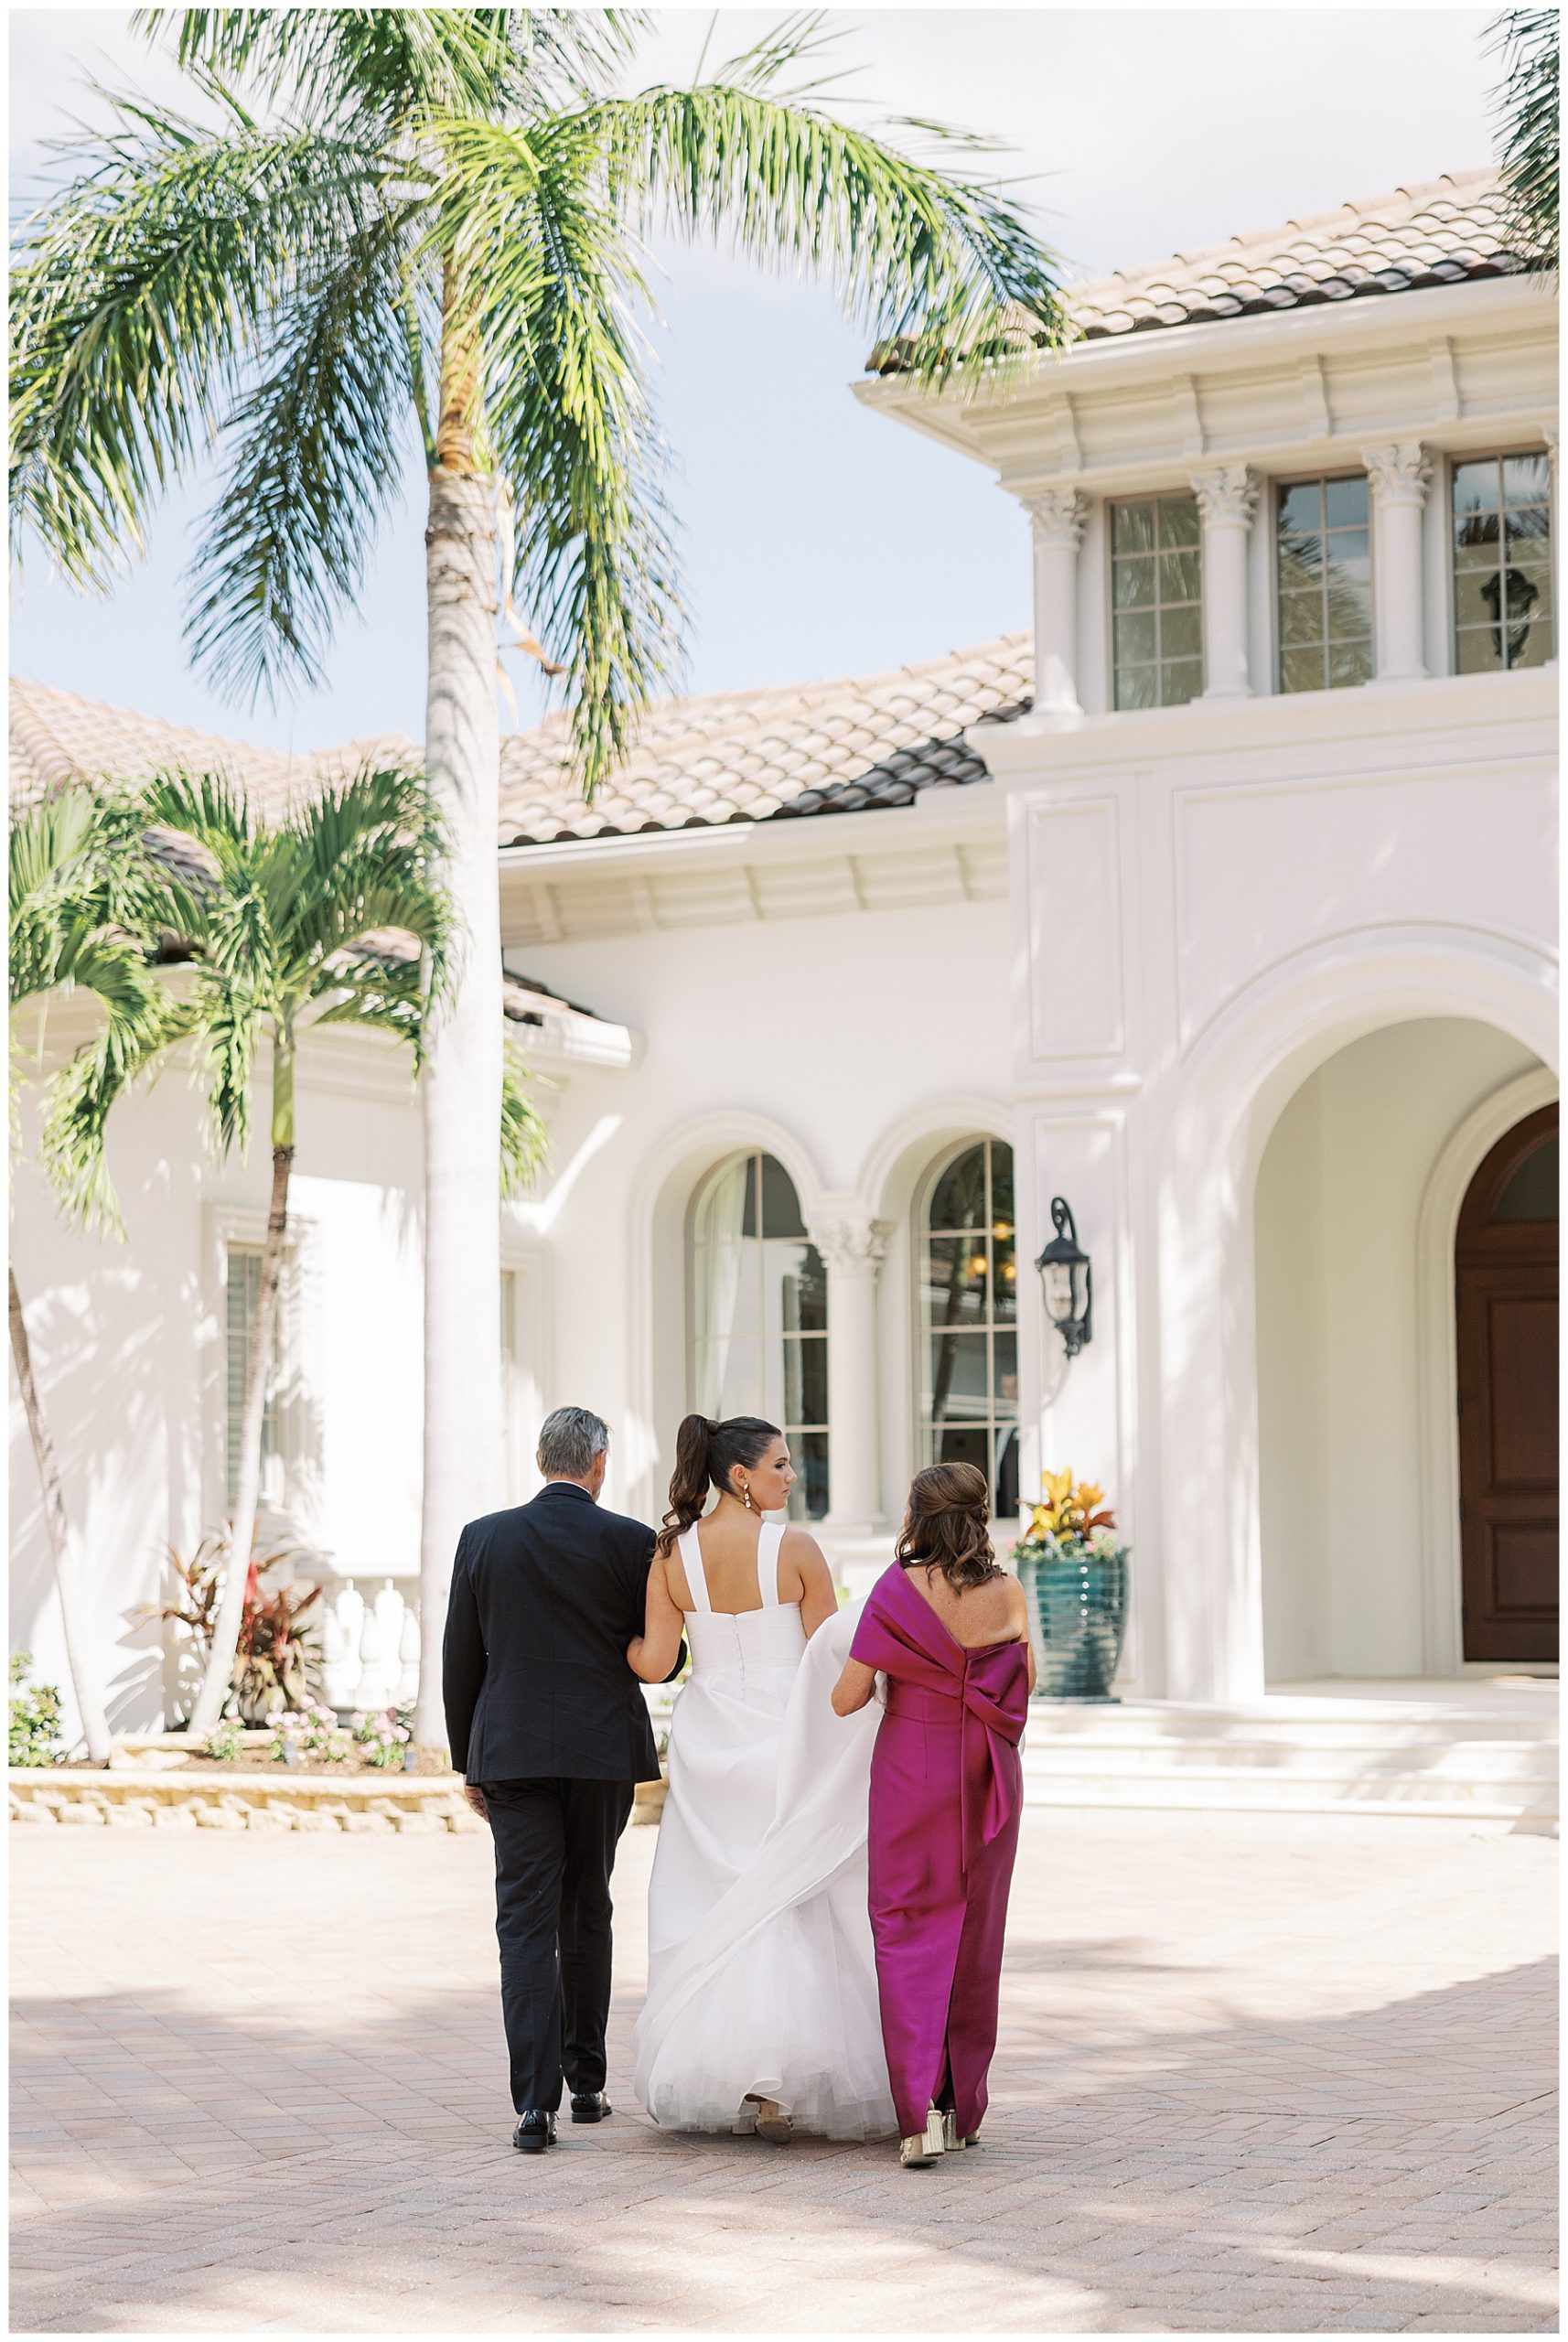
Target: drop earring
(745,1498)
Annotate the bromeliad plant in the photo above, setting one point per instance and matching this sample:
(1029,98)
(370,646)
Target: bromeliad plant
(1069,1516)
(276,1662)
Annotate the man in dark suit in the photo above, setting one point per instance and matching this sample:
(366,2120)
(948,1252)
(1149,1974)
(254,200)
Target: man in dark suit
(549,1724)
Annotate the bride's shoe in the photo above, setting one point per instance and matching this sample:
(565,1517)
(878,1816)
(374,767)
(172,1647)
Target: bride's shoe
(773,2123)
(925,2147)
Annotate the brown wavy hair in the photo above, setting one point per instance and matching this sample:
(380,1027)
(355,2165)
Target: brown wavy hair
(706,1453)
(944,1526)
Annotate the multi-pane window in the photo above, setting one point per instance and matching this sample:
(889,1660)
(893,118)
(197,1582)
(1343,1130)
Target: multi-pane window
(243,1285)
(1502,564)
(1323,540)
(760,1316)
(1157,601)
(969,1296)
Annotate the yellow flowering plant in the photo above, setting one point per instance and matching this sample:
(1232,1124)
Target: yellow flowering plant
(1071,1510)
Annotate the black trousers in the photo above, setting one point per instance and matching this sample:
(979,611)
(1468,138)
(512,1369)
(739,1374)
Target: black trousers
(555,1847)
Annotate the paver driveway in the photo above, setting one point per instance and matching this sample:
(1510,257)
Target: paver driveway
(1257,2072)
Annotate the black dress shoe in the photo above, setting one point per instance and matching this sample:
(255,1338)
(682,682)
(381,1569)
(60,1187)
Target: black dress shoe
(590,2106)
(535,2132)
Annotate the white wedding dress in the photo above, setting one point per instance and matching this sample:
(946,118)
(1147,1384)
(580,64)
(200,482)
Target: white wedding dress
(762,1978)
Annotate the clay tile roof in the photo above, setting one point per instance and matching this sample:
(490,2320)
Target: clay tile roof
(867,743)
(1443,231)
(864,743)
(57,737)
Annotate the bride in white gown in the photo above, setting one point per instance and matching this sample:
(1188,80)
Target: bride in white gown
(761,2010)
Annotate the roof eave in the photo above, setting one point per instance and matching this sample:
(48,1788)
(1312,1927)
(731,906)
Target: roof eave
(957,419)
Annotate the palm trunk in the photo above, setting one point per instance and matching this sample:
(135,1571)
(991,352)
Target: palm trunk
(462,1080)
(218,1678)
(62,1551)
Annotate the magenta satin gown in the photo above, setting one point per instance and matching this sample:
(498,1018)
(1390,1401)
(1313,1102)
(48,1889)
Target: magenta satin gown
(947,1791)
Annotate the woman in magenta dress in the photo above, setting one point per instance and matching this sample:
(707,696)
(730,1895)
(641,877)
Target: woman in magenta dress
(948,1628)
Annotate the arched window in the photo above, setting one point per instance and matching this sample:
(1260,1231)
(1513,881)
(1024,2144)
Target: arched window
(760,1315)
(969,1310)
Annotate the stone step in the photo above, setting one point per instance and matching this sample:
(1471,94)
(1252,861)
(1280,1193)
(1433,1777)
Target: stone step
(1351,1724)
(1435,1775)
(1473,1760)
(1230,1791)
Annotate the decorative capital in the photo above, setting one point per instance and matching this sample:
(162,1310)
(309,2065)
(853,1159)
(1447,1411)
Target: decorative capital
(1227,495)
(1400,473)
(1058,515)
(852,1247)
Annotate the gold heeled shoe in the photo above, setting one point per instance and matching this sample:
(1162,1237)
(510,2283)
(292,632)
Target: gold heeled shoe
(950,2140)
(924,2147)
(773,2123)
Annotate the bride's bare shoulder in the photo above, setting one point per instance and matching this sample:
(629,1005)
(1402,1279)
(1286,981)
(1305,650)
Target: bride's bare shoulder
(803,1559)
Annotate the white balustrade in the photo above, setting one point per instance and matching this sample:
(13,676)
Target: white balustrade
(370,1650)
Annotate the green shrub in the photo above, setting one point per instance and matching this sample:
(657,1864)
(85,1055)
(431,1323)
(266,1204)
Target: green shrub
(35,1717)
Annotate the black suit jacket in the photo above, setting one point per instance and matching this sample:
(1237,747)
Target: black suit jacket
(544,1600)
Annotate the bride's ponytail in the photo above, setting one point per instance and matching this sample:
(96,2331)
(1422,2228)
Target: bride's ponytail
(689,1481)
(706,1454)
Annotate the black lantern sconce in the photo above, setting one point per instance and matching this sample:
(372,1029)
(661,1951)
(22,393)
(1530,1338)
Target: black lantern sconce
(1068,1276)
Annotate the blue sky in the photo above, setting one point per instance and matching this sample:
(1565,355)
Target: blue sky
(817,539)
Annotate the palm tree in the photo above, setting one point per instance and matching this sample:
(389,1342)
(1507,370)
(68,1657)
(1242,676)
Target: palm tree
(433,219)
(333,916)
(1528,105)
(72,879)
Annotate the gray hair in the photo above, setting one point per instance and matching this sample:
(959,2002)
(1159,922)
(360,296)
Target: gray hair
(571,1443)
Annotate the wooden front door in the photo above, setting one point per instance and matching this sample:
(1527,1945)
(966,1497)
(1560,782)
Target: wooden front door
(1505,1260)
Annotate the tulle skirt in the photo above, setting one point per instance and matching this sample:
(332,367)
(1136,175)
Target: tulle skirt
(766,1987)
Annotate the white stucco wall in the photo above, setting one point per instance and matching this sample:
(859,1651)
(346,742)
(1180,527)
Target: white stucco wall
(1340,1365)
(128,1353)
(853,1046)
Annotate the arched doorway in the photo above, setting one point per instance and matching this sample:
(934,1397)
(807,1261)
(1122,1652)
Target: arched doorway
(1505,1279)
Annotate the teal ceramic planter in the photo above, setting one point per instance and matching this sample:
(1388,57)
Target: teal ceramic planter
(1078,1617)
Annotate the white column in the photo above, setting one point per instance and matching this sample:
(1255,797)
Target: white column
(1226,497)
(853,1250)
(1399,474)
(1057,517)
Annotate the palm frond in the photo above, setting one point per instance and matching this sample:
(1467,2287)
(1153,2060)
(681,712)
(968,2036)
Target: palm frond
(567,415)
(319,447)
(140,291)
(384,65)
(142,1026)
(939,262)
(66,897)
(525,1142)
(230,1025)
(1528,106)
(369,851)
